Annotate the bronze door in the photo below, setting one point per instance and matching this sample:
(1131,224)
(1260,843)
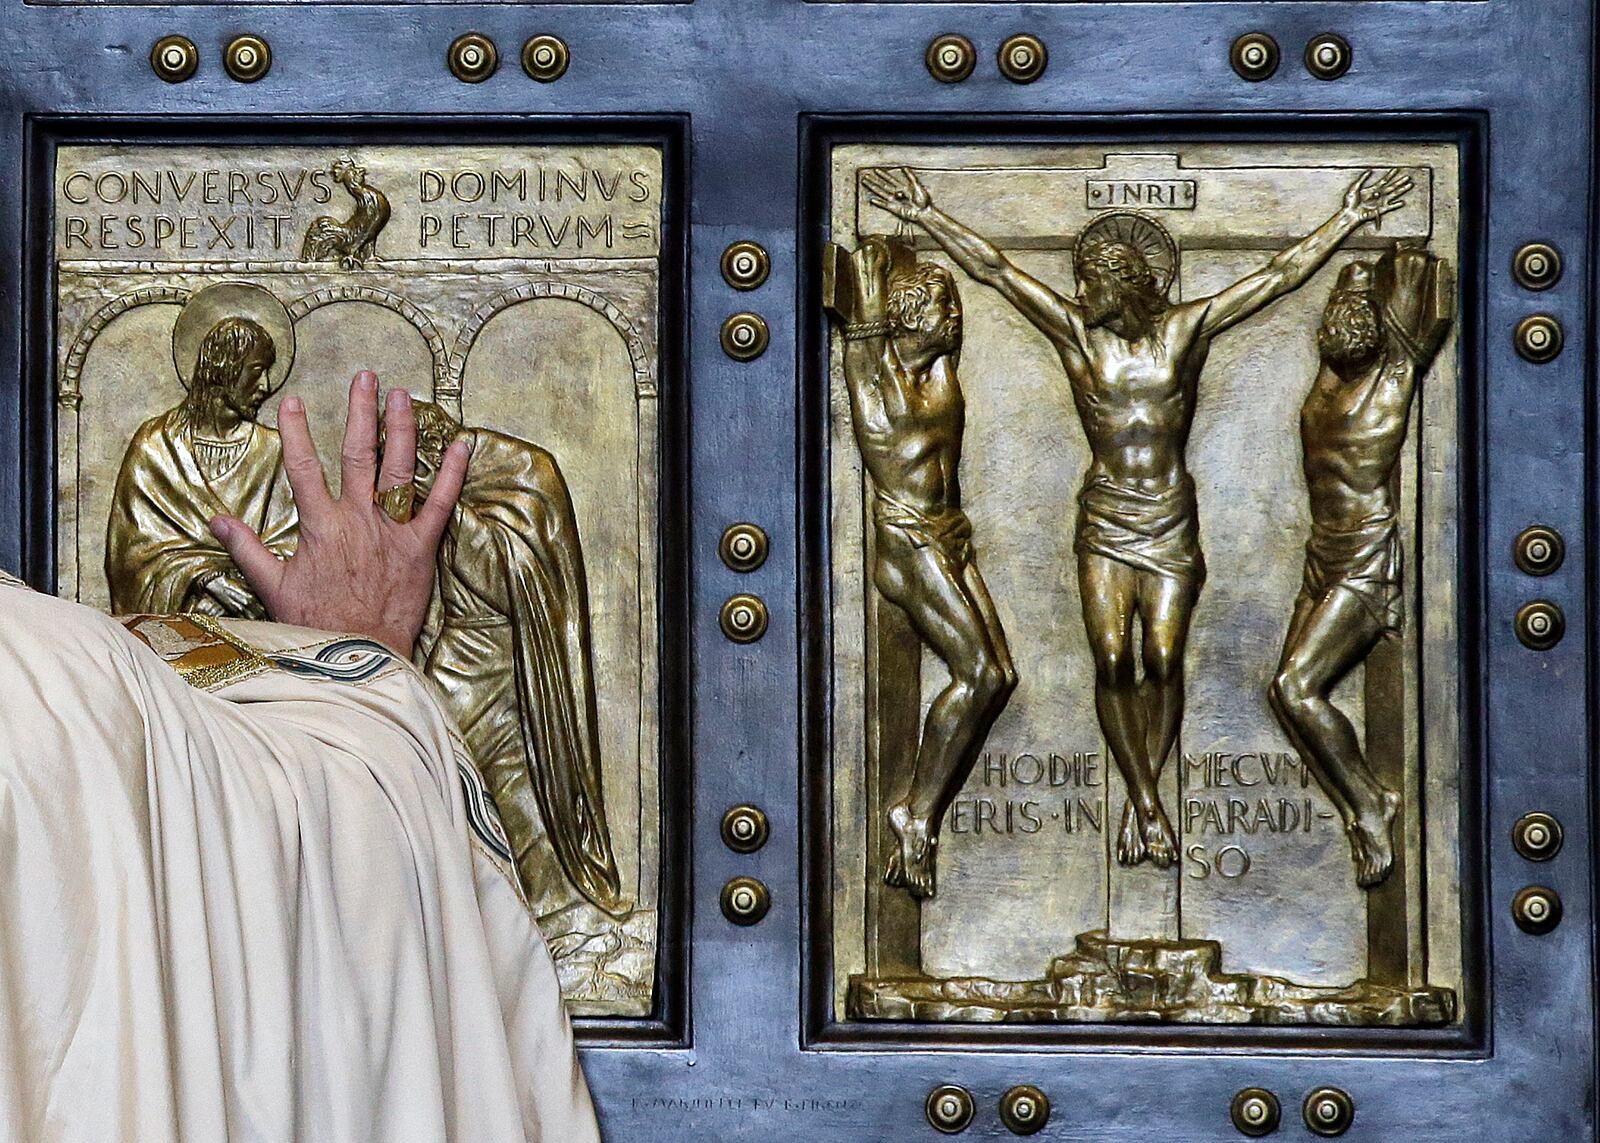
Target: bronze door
(1029,567)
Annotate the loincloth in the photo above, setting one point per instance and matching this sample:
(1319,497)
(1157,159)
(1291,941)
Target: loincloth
(1364,560)
(947,531)
(1155,532)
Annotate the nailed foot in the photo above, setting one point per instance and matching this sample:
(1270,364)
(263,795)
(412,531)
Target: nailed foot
(1146,836)
(1371,846)
(912,865)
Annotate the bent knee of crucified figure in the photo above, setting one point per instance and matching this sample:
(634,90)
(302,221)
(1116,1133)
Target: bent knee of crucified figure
(951,619)
(1337,636)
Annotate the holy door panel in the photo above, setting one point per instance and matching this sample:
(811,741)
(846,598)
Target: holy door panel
(1144,637)
(515,293)
(1052,536)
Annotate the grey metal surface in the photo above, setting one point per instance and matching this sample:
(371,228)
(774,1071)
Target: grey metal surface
(749,1056)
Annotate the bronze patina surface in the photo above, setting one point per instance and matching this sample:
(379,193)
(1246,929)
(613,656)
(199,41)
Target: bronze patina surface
(1145,801)
(514,292)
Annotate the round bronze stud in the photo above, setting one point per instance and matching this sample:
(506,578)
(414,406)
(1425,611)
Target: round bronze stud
(745,336)
(473,57)
(744,618)
(745,900)
(1329,1112)
(1024,1109)
(1256,1112)
(1539,338)
(1255,56)
(545,58)
(175,58)
(1536,910)
(1539,550)
(1537,836)
(1540,624)
(743,547)
(247,58)
(1536,266)
(745,265)
(745,829)
(1328,56)
(1023,58)
(950,1108)
(951,58)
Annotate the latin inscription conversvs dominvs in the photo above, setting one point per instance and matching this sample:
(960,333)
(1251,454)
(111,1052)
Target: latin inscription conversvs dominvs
(515,292)
(1143,577)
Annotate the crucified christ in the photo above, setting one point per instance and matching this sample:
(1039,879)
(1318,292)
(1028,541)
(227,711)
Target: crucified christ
(1133,360)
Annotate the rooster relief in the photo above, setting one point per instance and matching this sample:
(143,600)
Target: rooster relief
(354,241)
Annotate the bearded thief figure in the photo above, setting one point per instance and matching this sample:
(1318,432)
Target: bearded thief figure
(208,456)
(1380,332)
(1133,360)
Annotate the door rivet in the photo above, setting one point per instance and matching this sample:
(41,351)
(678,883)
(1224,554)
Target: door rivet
(1328,1112)
(743,547)
(1539,550)
(1024,1109)
(745,900)
(951,58)
(545,58)
(745,336)
(1328,56)
(1536,266)
(950,1108)
(473,57)
(1256,1112)
(745,265)
(174,58)
(1539,338)
(1537,836)
(1536,910)
(247,58)
(745,829)
(1255,56)
(744,618)
(1023,58)
(1540,624)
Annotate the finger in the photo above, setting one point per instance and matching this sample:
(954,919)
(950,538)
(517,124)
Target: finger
(435,511)
(1366,177)
(876,179)
(359,457)
(262,570)
(916,183)
(300,460)
(399,441)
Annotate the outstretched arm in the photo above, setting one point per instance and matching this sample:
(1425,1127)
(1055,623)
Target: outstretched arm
(1365,201)
(904,196)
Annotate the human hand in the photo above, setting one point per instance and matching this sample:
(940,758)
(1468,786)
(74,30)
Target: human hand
(899,192)
(355,569)
(1368,203)
(234,597)
(872,278)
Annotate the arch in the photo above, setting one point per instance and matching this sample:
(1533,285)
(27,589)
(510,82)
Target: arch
(643,381)
(69,389)
(393,302)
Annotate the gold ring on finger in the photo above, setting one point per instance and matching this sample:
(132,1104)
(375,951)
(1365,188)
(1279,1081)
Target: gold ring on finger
(396,502)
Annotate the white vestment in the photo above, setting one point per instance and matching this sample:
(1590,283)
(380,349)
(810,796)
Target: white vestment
(251,891)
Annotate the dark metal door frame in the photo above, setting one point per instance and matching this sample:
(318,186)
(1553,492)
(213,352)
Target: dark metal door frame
(744,1058)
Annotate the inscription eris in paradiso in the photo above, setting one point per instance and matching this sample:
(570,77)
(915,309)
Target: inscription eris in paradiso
(1186,747)
(514,292)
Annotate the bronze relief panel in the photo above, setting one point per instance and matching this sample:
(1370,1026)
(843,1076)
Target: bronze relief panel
(1186,748)
(514,291)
